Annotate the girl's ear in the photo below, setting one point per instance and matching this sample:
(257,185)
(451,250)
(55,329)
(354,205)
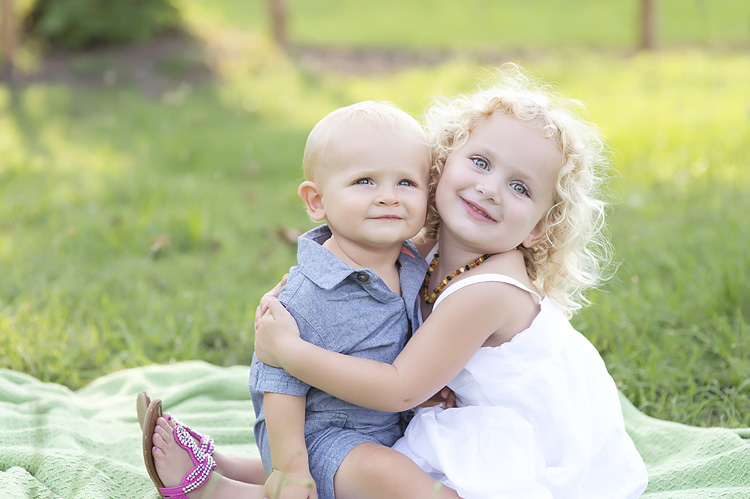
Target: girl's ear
(537,234)
(310,194)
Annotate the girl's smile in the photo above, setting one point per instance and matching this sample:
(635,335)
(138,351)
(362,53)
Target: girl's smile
(477,211)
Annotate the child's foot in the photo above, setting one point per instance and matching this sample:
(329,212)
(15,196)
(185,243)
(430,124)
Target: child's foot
(171,460)
(174,462)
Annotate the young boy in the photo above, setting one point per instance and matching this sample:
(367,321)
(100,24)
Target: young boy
(353,291)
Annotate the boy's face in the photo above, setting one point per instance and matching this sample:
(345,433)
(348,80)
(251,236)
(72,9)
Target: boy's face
(373,186)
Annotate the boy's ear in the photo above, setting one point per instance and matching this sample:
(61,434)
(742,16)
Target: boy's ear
(309,193)
(537,234)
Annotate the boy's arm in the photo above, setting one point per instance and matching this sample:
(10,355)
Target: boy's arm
(285,423)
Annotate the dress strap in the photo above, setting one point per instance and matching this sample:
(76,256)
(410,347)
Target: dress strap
(478,278)
(431,253)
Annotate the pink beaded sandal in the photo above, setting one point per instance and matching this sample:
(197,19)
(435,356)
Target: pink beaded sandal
(203,462)
(141,404)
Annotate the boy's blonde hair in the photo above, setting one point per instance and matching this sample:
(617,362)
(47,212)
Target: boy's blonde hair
(575,253)
(380,116)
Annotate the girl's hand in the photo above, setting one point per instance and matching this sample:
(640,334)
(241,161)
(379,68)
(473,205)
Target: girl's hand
(275,335)
(274,293)
(445,398)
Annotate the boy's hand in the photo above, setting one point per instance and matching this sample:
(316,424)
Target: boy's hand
(274,293)
(275,335)
(290,485)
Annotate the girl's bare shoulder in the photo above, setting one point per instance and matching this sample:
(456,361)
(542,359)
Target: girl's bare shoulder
(509,263)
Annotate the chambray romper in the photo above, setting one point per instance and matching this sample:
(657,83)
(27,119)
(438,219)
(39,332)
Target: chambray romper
(349,311)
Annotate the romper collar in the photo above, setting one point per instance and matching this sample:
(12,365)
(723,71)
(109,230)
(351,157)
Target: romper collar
(327,271)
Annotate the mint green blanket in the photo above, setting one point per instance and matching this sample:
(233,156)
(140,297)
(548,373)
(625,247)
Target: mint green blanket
(56,443)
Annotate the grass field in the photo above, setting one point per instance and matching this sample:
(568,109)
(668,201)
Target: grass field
(141,223)
(487,24)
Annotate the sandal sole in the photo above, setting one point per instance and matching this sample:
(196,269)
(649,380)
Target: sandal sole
(153,412)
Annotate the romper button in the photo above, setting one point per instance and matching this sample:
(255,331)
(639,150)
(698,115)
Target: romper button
(362,277)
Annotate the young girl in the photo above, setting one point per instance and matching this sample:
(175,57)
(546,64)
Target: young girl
(519,233)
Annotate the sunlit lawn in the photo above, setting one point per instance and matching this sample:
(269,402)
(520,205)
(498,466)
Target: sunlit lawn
(484,24)
(138,227)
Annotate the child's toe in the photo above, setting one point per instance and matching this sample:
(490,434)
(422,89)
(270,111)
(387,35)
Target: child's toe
(170,420)
(162,431)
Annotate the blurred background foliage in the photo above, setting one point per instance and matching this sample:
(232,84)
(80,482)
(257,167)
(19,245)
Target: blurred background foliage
(77,24)
(148,187)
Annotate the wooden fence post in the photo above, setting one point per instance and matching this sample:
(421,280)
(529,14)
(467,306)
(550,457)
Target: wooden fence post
(648,24)
(278,22)
(8,35)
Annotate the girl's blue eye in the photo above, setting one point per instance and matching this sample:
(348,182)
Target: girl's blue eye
(520,189)
(481,163)
(363,181)
(405,183)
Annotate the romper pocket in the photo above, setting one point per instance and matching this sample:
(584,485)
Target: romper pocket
(319,428)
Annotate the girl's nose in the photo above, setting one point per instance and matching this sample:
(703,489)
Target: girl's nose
(488,191)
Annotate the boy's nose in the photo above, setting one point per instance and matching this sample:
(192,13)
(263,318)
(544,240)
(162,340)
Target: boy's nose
(387,196)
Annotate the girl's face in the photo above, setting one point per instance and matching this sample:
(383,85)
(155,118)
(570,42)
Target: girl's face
(498,186)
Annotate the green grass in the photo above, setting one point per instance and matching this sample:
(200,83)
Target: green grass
(141,224)
(488,24)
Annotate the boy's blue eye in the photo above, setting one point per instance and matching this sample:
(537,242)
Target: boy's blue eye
(362,181)
(406,183)
(481,163)
(520,189)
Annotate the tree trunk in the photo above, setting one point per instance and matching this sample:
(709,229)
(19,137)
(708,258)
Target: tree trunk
(648,24)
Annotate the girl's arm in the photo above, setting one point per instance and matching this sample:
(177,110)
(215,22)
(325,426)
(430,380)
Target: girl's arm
(432,357)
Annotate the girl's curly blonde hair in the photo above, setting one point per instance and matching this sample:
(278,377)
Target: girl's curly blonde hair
(575,255)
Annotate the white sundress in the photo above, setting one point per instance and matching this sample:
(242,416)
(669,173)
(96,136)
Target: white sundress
(537,417)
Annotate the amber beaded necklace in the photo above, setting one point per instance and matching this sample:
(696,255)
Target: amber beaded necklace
(430,298)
